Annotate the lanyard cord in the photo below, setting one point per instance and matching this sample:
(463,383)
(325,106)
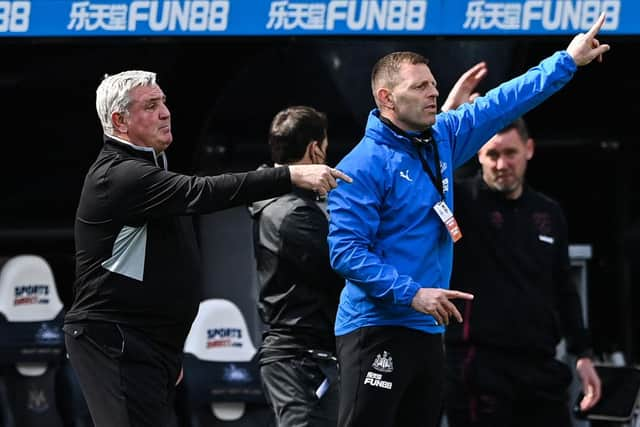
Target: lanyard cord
(421,142)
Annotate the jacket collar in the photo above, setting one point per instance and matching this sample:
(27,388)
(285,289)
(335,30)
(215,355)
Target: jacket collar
(383,134)
(143,152)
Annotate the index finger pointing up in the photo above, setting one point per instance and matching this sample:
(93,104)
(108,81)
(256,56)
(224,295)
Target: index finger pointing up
(597,26)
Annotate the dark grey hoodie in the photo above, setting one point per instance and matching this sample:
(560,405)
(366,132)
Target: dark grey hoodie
(298,289)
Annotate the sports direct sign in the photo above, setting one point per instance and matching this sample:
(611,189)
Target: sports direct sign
(68,18)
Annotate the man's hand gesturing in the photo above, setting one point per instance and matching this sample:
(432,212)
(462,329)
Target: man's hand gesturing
(584,47)
(319,178)
(435,301)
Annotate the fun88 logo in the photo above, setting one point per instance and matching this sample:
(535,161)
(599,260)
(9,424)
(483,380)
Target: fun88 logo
(224,337)
(14,16)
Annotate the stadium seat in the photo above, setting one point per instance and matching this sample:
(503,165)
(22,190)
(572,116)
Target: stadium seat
(32,354)
(221,376)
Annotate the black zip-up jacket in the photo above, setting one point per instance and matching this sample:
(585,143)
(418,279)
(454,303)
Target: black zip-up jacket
(299,291)
(137,260)
(514,257)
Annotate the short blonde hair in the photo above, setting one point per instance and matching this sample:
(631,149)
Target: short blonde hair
(386,71)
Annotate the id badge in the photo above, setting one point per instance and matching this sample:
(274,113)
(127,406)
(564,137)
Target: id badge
(447,218)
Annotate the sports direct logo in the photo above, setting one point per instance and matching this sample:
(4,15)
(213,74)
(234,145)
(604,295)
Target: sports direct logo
(224,337)
(31,294)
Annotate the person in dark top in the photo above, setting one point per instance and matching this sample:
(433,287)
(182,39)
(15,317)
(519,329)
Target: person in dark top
(298,289)
(514,257)
(138,278)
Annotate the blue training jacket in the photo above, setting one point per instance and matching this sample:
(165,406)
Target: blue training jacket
(384,236)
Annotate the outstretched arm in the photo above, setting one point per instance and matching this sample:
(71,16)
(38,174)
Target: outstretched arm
(584,48)
(474,123)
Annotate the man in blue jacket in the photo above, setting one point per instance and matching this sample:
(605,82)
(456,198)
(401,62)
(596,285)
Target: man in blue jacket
(392,231)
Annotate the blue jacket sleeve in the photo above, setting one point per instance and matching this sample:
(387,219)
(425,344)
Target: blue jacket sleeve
(472,124)
(354,211)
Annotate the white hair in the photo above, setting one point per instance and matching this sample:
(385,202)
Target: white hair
(112,95)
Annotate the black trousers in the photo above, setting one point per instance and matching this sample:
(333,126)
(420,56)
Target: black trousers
(491,388)
(390,376)
(290,386)
(126,380)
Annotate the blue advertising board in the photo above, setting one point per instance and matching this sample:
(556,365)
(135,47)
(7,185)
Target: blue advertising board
(88,18)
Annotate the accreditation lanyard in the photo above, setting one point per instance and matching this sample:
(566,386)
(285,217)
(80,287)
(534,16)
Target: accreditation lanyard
(420,143)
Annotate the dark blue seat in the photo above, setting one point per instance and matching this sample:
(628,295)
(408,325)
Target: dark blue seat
(33,366)
(221,383)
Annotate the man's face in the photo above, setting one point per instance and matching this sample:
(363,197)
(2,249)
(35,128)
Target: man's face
(148,122)
(504,162)
(415,97)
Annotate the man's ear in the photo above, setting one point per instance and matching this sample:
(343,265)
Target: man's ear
(530,147)
(119,122)
(308,152)
(385,98)
(312,151)
(317,148)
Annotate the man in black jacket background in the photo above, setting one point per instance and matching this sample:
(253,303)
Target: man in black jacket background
(502,369)
(298,289)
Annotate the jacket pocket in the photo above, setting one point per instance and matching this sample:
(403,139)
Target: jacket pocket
(106,337)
